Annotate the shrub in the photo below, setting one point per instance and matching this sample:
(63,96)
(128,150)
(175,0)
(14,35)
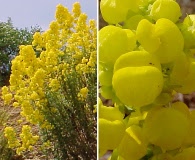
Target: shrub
(53,81)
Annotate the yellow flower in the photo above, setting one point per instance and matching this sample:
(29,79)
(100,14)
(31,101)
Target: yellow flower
(54,84)
(82,95)
(46,144)
(82,68)
(10,134)
(37,39)
(84,91)
(84,60)
(20,150)
(92,24)
(13,80)
(27,54)
(6,95)
(52,59)
(5,90)
(62,15)
(95,109)
(20,121)
(27,138)
(76,9)
(38,78)
(7,98)
(54,27)
(27,108)
(34,96)
(82,19)
(16,104)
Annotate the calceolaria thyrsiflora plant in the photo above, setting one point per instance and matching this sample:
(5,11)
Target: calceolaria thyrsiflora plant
(53,82)
(146,56)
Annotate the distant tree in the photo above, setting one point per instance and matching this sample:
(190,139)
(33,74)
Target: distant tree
(10,40)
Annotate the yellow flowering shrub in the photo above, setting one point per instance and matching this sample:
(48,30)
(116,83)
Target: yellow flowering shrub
(52,81)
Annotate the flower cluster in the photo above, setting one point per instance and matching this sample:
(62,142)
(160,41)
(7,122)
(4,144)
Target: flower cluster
(27,139)
(10,134)
(7,96)
(146,56)
(82,95)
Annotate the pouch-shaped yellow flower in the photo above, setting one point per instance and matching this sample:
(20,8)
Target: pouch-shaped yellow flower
(133,145)
(159,10)
(186,154)
(113,42)
(110,133)
(163,39)
(167,127)
(115,11)
(137,86)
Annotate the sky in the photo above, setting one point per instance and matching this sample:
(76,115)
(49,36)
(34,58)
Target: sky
(27,13)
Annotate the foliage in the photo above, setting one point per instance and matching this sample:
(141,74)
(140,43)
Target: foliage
(146,56)
(10,40)
(53,81)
